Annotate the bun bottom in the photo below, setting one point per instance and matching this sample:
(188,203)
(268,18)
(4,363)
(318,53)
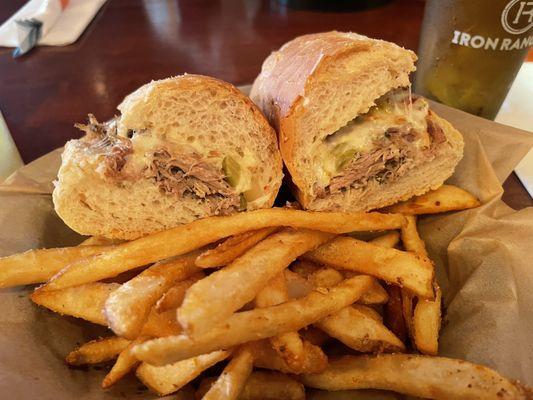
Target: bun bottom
(419,180)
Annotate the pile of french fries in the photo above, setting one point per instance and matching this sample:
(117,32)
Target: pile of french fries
(269,293)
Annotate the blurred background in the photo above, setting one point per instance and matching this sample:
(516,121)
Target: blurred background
(130,42)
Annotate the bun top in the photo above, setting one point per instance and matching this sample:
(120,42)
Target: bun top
(288,73)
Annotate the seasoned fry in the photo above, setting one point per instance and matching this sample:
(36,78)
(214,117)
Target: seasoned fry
(86,301)
(170,378)
(422,376)
(127,308)
(188,237)
(388,240)
(394,317)
(256,324)
(288,345)
(126,362)
(173,297)
(207,301)
(37,266)
(266,357)
(231,382)
(357,327)
(263,385)
(424,321)
(405,269)
(97,351)
(445,198)
(232,248)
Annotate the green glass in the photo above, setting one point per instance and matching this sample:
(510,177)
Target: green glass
(471,50)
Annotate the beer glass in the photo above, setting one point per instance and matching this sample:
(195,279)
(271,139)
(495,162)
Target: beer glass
(471,50)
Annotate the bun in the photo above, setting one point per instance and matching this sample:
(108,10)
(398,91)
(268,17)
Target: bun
(317,84)
(183,148)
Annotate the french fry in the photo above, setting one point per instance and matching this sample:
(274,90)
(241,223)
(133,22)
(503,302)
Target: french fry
(125,363)
(358,328)
(170,378)
(263,385)
(297,286)
(231,382)
(127,308)
(100,241)
(173,297)
(192,236)
(405,269)
(445,198)
(388,240)
(256,324)
(415,375)
(85,301)
(159,324)
(327,277)
(207,302)
(394,317)
(288,345)
(232,248)
(37,266)
(314,335)
(424,322)
(265,356)
(97,351)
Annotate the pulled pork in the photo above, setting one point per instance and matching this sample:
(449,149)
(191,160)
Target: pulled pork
(102,139)
(189,175)
(394,154)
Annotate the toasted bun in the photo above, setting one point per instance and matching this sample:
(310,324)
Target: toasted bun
(314,85)
(104,185)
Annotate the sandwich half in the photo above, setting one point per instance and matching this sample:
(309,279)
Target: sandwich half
(351,134)
(182,148)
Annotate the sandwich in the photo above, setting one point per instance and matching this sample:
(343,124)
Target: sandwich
(352,135)
(182,148)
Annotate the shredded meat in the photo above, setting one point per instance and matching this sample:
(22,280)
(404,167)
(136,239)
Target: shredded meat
(392,157)
(189,175)
(102,138)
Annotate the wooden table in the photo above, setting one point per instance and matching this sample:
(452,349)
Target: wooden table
(131,42)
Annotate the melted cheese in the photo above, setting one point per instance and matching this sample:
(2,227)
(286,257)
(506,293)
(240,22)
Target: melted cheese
(358,136)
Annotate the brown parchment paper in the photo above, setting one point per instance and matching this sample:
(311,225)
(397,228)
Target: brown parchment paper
(483,258)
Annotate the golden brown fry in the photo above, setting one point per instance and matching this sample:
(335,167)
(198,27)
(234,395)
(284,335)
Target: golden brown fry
(359,328)
(173,297)
(159,324)
(424,322)
(288,345)
(415,375)
(231,248)
(188,237)
(214,298)
(37,266)
(256,324)
(231,382)
(100,241)
(388,240)
(85,301)
(445,198)
(126,362)
(127,308)
(170,378)
(263,385)
(266,357)
(297,286)
(97,351)
(408,270)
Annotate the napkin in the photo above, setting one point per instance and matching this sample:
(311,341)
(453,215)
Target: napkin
(61,28)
